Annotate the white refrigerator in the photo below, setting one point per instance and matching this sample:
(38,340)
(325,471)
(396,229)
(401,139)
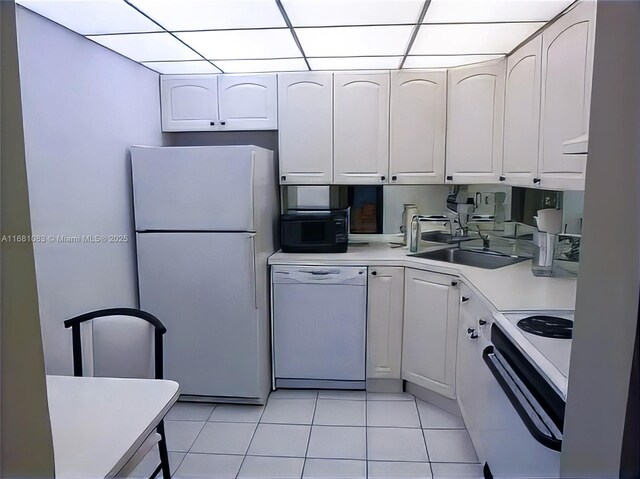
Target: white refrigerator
(206,222)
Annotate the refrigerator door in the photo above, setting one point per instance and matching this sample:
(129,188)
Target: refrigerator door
(202,287)
(193,188)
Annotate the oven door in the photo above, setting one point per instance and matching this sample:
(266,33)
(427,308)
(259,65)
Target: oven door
(501,437)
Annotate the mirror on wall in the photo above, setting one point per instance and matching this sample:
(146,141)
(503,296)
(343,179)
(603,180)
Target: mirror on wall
(378,209)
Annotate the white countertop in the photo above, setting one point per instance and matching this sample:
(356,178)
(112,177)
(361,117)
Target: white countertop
(511,288)
(97,424)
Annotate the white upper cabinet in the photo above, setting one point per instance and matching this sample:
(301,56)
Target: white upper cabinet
(474,128)
(417,127)
(218,102)
(189,102)
(247,102)
(361,128)
(567,67)
(305,119)
(431,308)
(522,115)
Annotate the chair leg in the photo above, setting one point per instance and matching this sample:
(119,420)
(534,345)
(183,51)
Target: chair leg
(164,455)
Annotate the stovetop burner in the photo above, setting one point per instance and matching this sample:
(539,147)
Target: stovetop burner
(547,326)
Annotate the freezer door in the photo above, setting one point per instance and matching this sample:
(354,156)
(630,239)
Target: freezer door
(202,287)
(193,188)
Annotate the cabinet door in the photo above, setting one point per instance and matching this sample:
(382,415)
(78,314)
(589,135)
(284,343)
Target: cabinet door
(247,102)
(522,114)
(361,128)
(189,103)
(384,322)
(429,338)
(567,67)
(305,121)
(417,127)
(474,129)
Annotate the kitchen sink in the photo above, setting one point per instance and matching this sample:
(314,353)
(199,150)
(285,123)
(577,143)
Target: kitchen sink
(440,237)
(479,259)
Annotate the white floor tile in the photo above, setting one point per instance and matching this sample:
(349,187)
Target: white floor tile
(452,470)
(152,460)
(392,414)
(289,411)
(271,467)
(395,470)
(328,442)
(450,445)
(340,412)
(432,417)
(342,394)
(389,397)
(236,413)
(190,411)
(280,440)
(332,468)
(206,466)
(395,444)
(293,394)
(181,435)
(224,438)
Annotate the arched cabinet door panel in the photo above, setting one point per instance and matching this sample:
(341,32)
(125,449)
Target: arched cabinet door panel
(361,128)
(474,128)
(305,124)
(567,69)
(417,127)
(189,102)
(247,102)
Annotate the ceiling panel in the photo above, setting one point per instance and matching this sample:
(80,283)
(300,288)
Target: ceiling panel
(212,14)
(243,44)
(468,11)
(258,66)
(354,41)
(186,67)
(355,63)
(143,47)
(91,16)
(446,61)
(496,38)
(351,12)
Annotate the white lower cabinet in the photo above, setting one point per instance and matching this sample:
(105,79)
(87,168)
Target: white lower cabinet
(431,306)
(384,322)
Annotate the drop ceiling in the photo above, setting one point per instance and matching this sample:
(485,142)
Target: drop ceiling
(245,36)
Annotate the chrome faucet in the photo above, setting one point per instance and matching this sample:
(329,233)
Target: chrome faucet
(485,238)
(414,233)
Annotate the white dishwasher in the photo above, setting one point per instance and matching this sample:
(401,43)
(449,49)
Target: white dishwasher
(319,326)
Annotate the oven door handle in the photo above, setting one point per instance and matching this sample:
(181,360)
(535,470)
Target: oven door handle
(545,439)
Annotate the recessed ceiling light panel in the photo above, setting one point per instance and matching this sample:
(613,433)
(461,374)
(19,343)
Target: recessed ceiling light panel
(354,41)
(492,38)
(92,17)
(212,14)
(260,66)
(147,47)
(469,11)
(243,44)
(355,63)
(446,61)
(186,68)
(303,13)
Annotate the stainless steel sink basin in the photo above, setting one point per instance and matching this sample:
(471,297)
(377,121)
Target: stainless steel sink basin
(442,237)
(479,259)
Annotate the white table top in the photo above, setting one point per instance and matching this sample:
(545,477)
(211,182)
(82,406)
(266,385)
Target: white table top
(97,424)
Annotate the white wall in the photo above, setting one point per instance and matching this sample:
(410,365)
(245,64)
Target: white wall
(607,297)
(83,106)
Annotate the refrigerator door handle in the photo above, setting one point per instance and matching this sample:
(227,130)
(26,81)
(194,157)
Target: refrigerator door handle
(252,238)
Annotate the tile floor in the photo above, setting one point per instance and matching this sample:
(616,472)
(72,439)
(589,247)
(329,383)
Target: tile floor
(317,434)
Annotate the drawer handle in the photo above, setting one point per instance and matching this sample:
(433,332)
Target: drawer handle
(374,273)
(212,123)
(464,299)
